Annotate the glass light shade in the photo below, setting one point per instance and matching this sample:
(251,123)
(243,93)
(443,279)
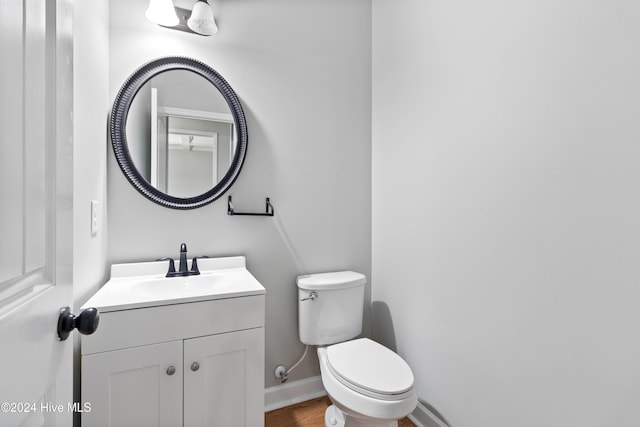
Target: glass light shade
(162,12)
(201,20)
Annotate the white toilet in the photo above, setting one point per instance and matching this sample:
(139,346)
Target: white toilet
(368,384)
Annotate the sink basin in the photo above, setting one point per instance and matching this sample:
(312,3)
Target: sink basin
(179,286)
(144,284)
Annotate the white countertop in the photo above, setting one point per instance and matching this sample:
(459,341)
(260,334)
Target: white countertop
(138,285)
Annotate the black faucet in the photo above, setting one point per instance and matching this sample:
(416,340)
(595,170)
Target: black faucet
(183,258)
(182,266)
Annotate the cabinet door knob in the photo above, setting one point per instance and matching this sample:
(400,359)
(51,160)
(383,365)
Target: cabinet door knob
(195,366)
(171,370)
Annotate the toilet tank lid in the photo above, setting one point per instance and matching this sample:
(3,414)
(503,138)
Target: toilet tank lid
(333,280)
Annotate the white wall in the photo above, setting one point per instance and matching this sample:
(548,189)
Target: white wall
(301,69)
(139,131)
(506,239)
(91,103)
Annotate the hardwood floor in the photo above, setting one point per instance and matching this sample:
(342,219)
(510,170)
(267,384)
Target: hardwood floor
(307,414)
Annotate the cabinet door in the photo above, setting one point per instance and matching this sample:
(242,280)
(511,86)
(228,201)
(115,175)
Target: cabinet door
(134,387)
(227,388)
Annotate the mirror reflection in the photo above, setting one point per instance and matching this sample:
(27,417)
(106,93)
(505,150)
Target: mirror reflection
(180,133)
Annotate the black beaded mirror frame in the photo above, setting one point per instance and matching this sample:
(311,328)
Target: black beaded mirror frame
(118,125)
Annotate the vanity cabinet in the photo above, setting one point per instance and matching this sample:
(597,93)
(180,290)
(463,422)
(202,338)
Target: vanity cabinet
(131,387)
(196,363)
(227,383)
(217,383)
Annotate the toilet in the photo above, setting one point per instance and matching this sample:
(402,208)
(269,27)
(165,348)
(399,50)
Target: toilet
(368,384)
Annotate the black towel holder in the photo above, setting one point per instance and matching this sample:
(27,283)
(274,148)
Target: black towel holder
(268,209)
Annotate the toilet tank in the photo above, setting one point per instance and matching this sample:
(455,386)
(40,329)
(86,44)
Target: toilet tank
(334,314)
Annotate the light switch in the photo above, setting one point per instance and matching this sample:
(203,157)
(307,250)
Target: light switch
(94,217)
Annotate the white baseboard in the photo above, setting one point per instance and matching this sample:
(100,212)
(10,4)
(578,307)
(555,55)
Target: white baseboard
(423,417)
(293,392)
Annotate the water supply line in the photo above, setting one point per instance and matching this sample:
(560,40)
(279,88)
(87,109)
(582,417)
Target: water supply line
(283,373)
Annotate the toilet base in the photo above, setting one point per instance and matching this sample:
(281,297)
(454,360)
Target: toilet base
(334,417)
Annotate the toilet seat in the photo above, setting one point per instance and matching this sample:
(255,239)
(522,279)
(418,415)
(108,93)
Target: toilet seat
(371,369)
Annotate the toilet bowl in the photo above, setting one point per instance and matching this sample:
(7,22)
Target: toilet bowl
(368,384)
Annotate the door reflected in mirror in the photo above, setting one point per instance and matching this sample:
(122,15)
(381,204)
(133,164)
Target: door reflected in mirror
(181,134)
(198,154)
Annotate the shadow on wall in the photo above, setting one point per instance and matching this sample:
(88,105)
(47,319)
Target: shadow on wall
(382,325)
(383,333)
(286,240)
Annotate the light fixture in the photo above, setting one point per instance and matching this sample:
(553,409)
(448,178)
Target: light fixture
(162,12)
(201,20)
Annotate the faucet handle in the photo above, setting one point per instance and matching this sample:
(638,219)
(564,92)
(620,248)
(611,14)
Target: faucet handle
(172,265)
(194,263)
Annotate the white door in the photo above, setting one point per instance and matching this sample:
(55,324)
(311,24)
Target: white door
(36,184)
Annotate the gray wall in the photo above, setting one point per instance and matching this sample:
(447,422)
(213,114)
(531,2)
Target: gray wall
(188,171)
(506,239)
(301,69)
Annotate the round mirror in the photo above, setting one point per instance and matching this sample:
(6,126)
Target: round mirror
(178,132)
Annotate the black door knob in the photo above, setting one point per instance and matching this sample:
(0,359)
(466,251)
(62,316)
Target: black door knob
(86,322)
